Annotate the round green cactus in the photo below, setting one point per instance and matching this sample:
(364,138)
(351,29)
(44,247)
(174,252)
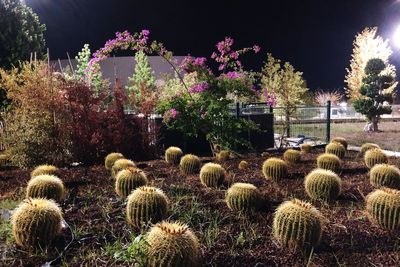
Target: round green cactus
(212,175)
(329,162)
(129,179)
(146,204)
(111,159)
(46,186)
(305,148)
(341,141)
(275,169)
(242,196)
(36,222)
(172,244)
(323,185)
(190,164)
(367,146)
(297,225)
(173,155)
(44,169)
(374,156)
(243,165)
(292,156)
(121,164)
(385,175)
(223,155)
(336,149)
(383,206)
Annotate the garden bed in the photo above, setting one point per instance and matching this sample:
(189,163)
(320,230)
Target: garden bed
(102,238)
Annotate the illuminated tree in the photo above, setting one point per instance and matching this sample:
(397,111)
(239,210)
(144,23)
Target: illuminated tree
(143,74)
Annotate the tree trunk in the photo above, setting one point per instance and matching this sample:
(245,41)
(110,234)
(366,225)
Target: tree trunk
(375,124)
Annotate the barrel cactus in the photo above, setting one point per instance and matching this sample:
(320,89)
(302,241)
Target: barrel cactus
(243,165)
(385,175)
(305,148)
(242,197)
(129,179)
(190,164)
(111,159)
(383,206)
(374,156)
(121,164)
(329,162)
(173,155)
(146,204)
(292,156)
(341,141)
(297,225)
(44,169)
(336,149)
(367,146)
(36,222)
(46,186)
(223,155)
(172,244)
(212,175)
(275,169)
(323,185)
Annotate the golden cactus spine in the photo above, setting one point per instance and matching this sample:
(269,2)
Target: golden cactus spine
(173,155)
(223,155)
(212,175)
(383,206)
(367,146)
(121,164)
(242,196)
(292,156)
(341,141)
(385,175)
(44,169)
(190,164)
(275,169)
(336,149)
(329,161)
(243,165)
(305,148)
(111,159)
(323,184)
(128,180)
(46,186)
(374,156)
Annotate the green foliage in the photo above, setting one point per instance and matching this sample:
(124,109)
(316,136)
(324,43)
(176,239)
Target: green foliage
(143,74)
(223,155)
(275,169)
(323,184)
(305,148)
(385,175)
(36,222)
(297,225)
(129,179)
(243,165)
(173,155)
(111,159)
(375,156)
(243,197)
(292,156)
(190,164)
(336,149)
(341,141)
(383,205)
(146,204)
(212,175)
(329,161)
(368,146)
(172,244)
(46,186)
(44,169)
(121,164)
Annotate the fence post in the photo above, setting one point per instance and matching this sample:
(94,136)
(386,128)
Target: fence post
(237,110)
(328,121)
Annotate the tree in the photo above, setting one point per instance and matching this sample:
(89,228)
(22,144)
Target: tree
(367,45)
(375,92)
(142,76)
(288,85)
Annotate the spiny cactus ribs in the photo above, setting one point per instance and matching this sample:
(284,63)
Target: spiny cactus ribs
(329,161)
(223,155)
(383,206)
(190,164)
(297,225)
(341,141)
(172,244)
(46,186)
(336,149)
(292,156)
(323,184)
(242,197)
(146,204)
(44,169)
(173,155)
(305,148)
(121,164)
(212,175)
(367,146)
(374,156)
(243,165)
(275,169)
(111,159)
(385,175)
(128,180)
(36,222)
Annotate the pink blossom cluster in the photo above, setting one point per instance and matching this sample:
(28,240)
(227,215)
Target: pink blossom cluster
(233,75)
(189,63)
(198,88)
(270,97)
(170,114)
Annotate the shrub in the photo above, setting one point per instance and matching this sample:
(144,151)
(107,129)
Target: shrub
(374,156)
(305,148)
(46,186)
(36,222)
(190,164)
(383,205)
(341,141)
(242,197)
(329,162)
(212,175)
(385,175)
(323,184)
(243,165)
(367,146)
(172,244)
(336,149)
(292,156)
(111,159)
(223,155)
(44,169)
(129,179)
(173,155)
(275,169)
(121,164)
(297,225)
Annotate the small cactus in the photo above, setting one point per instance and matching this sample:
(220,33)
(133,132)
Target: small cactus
(341,141)
(223,155)
(111,159)
(212,175)
(336,149)
(173,155)
(329,162)
(323,185)
(292,156)
(36,222)
(44,169)
(190,164)
(242,196)
(305,148)
(146,204)
(46,186)
(275,169)
(385,175)
(367,146)
(128,180)
(243,165)
(383,206)
(297,225)
(374,156)
(121,164)
(172,244)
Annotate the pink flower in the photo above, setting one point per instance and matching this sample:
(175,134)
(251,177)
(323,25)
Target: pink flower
(233,75)
(173,112)
(199,88)
(256,48)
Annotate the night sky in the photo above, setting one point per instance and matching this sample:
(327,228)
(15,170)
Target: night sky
(314,35)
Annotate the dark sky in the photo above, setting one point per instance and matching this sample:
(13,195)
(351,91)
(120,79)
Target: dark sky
(314,35)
